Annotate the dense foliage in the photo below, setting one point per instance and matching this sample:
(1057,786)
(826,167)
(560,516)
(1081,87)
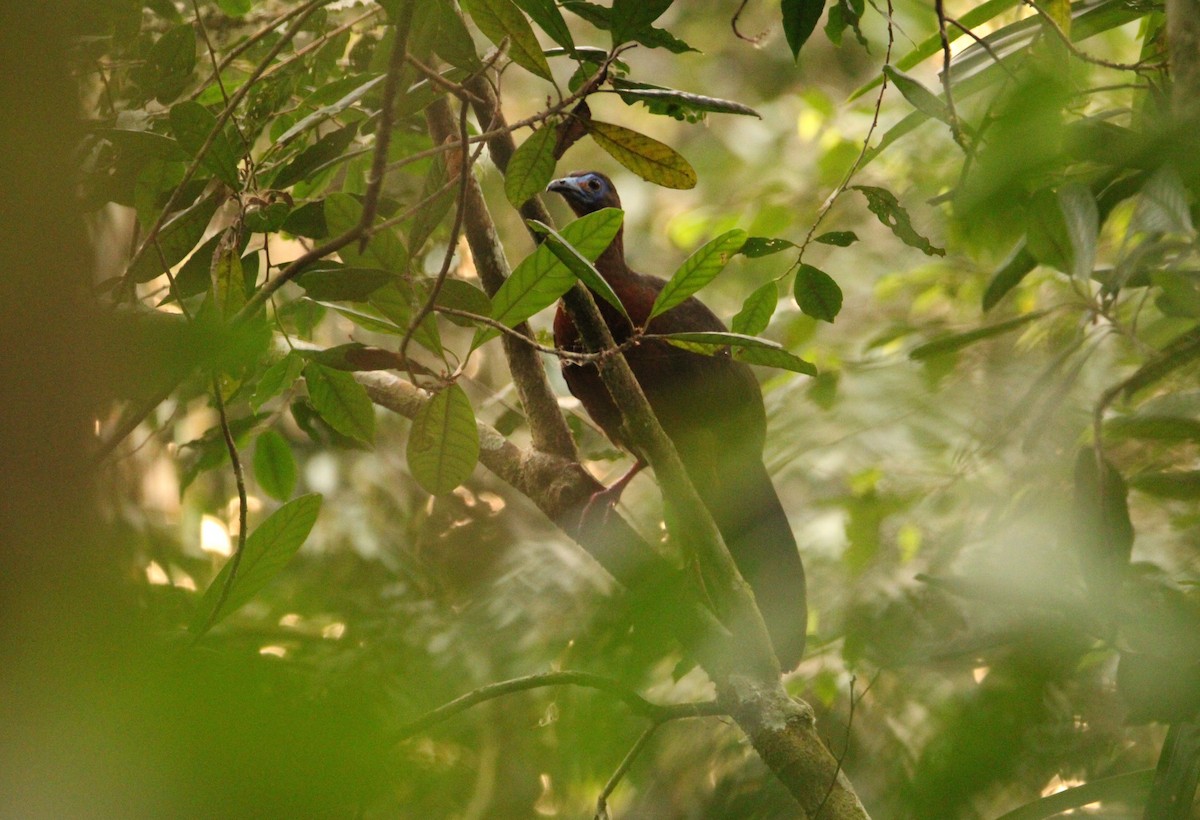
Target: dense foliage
(958,243)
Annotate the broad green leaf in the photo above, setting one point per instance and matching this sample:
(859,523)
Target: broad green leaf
(648,158)
(1082,219)
(920,97)
(1180,484)
(649,36)
(774,357)
(546,14)
(579,265)
(630,17)
(698,270)
(1179,293)
(800,17)
(175,240)
(398,302)
(749,349)
(541,278)
(340,283)
(1162,205)
(385,250)
(210,450)
(274,465)
(277,378)
(756,311)
(235,8)
(170,63)
(757,246)
(443,445)
(501,20)
(887,208)
(842,239)
(228,280)
(1155,428)
(461,295)
(1009,275)
(957,341)
(817,294)
(341,401)
(454,43)
(531,167)
(192,123)
(682,105)
(327,148)
(325,112)
(155,181)
(428,218)
(1105,534)
(267,551)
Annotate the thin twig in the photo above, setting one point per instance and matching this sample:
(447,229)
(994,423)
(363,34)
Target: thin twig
(626,762)
(660,713)
(982,43)
(437,79)
(841,188)
(243,505)
(947,87)
(1083,55)
(733,24)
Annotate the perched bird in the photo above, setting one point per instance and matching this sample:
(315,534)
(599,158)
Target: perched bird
(711,407)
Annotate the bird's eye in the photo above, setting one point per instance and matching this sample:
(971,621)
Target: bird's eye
(592,185)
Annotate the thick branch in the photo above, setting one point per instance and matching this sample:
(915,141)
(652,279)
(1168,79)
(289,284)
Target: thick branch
(1183,34)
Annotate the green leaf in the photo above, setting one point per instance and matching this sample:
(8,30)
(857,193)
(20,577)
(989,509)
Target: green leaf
(757,246)
(329,147)
(340,283)
(327,111)
(235,8)
(443,445)
(192,123)
(454,43)
(170,63)
(1082,220)
(501,20)
(266,552)
(1180,293)
(957,341)
(1162,205)
(531,167)
(1155,428)
(682,105)
(228,281)
(750,349)
(1009,275)
(398,302)
(648,158)
(542,278)
(842,239)
(1130,789)
(154,182)
(601,17)
(341,401)
(887,208)
(800,17)
(461,295)
(274,465)
(817,294)
(756,311)
(1180,484)
(920,97)
(175,240)
(630,17)
(546,14)
(385,250)
(698,270)
(277,378)
(579,265)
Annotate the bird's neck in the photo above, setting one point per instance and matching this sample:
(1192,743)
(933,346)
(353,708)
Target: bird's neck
(611,263)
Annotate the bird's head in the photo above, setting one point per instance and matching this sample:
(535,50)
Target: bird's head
(586,191)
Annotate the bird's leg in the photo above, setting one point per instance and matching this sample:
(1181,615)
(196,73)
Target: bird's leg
(607,498)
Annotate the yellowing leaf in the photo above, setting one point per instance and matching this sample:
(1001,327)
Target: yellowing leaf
(648,158)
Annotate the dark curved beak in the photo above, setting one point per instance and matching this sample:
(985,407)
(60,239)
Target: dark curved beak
(565,186)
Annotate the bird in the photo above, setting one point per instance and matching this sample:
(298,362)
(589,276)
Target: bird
(711,408)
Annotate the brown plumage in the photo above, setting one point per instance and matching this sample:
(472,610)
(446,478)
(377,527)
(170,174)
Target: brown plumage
(711,407)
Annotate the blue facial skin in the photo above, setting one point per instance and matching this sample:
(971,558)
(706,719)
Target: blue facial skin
(585,191)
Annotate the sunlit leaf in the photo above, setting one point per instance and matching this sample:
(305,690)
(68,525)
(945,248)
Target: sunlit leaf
(541,278)
(531,167)
(817,294)
(274,465)
(648,158)
(698,270)
(443,445)
(500,21)
(341,401)
(918,95)
(579,265)
(267,551)
(756,311)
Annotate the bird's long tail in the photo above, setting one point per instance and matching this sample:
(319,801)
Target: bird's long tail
(755,527)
